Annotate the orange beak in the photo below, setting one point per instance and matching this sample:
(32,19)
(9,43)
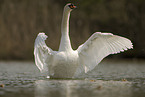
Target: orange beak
(72,7)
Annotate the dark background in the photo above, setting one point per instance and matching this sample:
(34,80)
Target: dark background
(22,20)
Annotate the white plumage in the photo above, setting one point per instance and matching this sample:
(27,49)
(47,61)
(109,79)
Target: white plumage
(68,63)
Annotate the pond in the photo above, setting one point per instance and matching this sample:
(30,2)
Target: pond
(121,78)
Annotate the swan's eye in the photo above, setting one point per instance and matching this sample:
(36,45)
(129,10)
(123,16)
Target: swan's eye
(72,6)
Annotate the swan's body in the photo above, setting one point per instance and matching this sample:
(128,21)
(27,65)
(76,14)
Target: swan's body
(68,63)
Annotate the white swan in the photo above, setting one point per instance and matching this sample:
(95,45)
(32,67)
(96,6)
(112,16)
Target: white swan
(68,63)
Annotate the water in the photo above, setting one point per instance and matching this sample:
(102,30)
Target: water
(109,79)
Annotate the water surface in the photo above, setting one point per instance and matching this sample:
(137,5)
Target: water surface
(109,79)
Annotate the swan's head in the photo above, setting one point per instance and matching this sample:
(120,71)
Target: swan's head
(69,7)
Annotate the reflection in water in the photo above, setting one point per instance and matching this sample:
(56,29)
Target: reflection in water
(82,88)
(20,82)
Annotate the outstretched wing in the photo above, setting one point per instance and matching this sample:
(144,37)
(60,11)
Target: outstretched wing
(98,46)
(42,53)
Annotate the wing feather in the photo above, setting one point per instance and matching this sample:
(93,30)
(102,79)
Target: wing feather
(42,53)
(97,47)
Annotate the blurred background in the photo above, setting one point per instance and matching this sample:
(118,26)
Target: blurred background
(22,20)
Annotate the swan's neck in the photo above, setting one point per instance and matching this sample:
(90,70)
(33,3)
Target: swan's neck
(65,44)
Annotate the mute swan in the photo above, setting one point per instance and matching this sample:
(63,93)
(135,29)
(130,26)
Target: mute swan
(68,63)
